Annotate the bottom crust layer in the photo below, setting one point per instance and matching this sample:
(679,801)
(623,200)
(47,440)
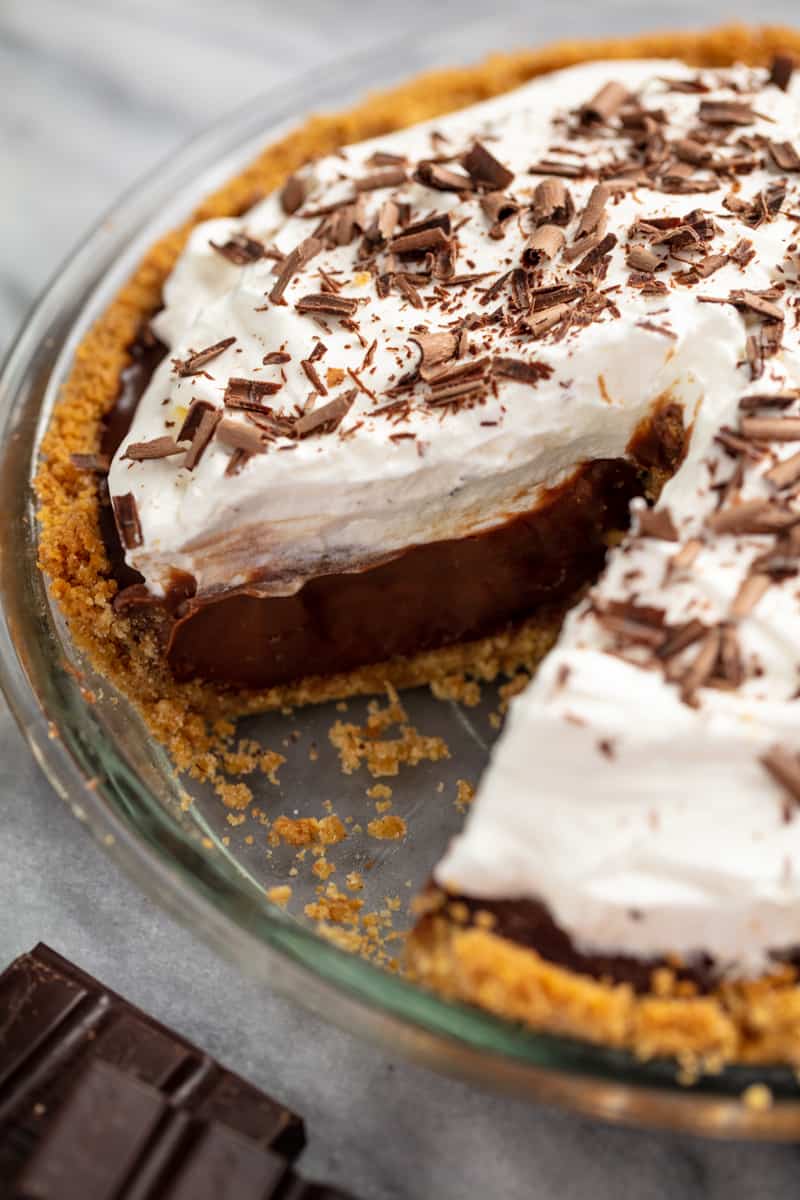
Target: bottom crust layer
(747,1021)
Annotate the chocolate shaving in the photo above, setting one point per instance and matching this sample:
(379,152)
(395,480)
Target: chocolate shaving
(330,305)
(785,473)
(393,177)
(691,151)
(442,179)
(549,166)
(294,262)
(594,211)
(552,203)
(160,447)
(726,112)
(772,429)
(388,218)
(240,437)
(126,515)
(485,170)
(749,594)
(781,70)
(499,209)
(702,668)
(539,323)
(240,249)
(642,259)
(680,638)
(752,516)
(198,428)
(424,239)
(599,252)
(406,287)
(276,356)
(530,372)
(312,374)
(605,104)
(657,523)
(249,393)
(729,663)
(293,194)
(196,361)
(496,288)
(435,348)
(784,155)
(327,417)
(632,622)
(584,245)
(544,245)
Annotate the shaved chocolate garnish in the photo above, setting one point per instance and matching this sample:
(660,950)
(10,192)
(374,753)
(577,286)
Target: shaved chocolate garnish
(594,210)
(683,558)
(544,245)
(407,289)
(559,293)
(599,252)
(240,437)
(784,767)
(781,70)
(702,668)
(552,203)
(126,515)
(238,460)
(293,194)
(735,444)
(784,156)
(772,429)
(657,523)
(752,516)
(331,305)
(294,262)
(680,638)
(392,177)
(726,112)
(637,623)
(730,667)
(196,361)
(435,348)
(749,594)
(521,371)
(313,376)
(758,304)
(160,447)
(582,247)
(520,290)
(249,393)
(97,464)
(758,400)
(276,356)
(198,428)
(485,170)
(785,473)
(385,158)
(496,288)
(538,324)
(550,166)
(423,239)
(388,219)
(443,179)
(327,417)
(642,259)
(706,267)
(691,151)
(500,209)
(605,104)
(240,249)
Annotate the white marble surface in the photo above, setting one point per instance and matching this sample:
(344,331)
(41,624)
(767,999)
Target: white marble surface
(94,93)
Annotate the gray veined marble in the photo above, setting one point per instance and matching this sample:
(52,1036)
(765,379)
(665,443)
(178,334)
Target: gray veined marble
(94,93)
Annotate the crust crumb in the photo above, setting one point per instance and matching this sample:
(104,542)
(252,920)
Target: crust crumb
(389,828)
(280,895)
(359,744)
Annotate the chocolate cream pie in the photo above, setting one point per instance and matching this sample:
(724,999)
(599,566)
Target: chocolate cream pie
(384,423)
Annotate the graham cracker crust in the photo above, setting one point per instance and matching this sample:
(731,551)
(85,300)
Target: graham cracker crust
(754,1022)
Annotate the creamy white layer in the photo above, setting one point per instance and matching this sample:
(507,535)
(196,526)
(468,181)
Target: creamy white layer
(646,825)
(331,499)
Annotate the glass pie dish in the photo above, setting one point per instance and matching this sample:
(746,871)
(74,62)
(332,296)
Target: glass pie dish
(176,838)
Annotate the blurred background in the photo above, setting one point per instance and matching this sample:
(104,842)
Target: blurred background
(94,94)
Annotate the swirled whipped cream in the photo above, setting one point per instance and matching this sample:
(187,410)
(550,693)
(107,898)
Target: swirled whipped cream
(646,787)
(548,357)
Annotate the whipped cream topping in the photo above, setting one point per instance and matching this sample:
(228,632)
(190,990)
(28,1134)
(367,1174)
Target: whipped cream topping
(383,481)
(646,787)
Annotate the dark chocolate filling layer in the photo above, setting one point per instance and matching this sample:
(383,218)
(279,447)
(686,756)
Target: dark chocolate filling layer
(424,597)
(529,923)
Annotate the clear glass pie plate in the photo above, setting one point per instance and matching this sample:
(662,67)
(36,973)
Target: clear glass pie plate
(212,874)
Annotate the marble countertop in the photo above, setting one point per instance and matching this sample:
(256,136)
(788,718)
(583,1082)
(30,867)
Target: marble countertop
(96,92)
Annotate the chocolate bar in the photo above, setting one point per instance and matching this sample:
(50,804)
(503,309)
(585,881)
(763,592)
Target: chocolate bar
(98,1101)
